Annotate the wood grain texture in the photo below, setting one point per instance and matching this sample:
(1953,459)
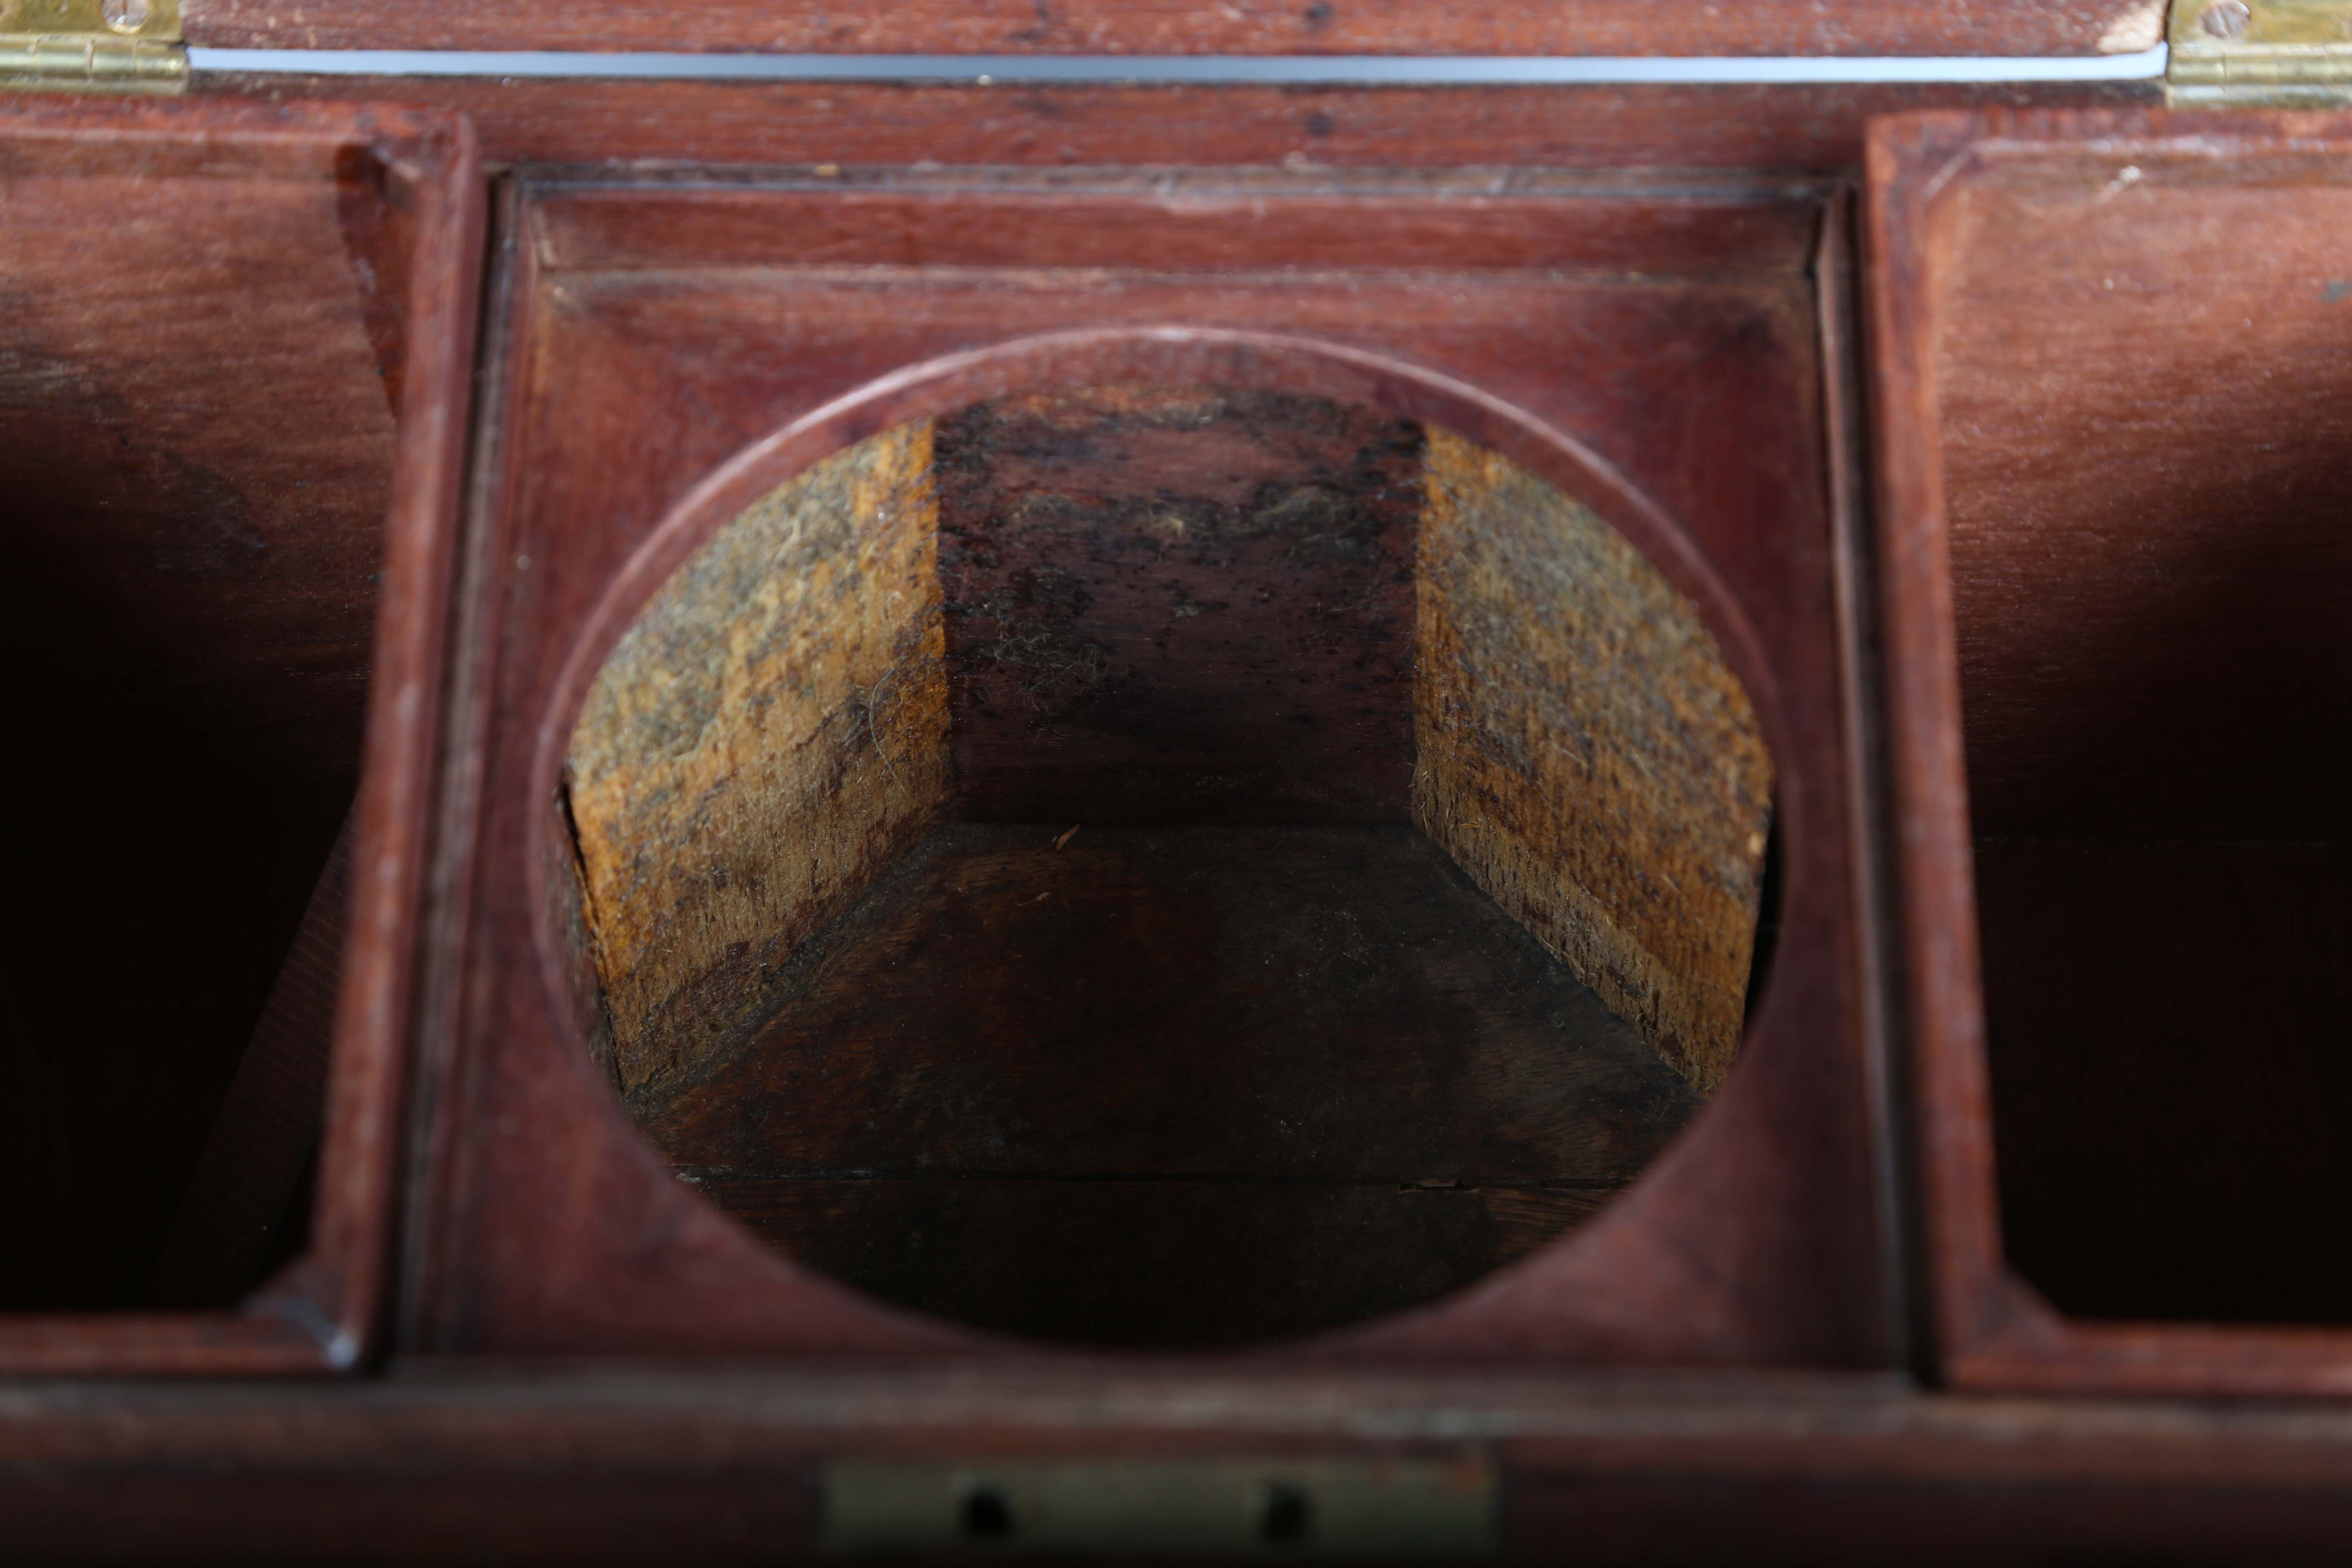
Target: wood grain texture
(202,299)
(625,1464)
(770,731)
(2145,439)
(1584,753)
(1811,128)
(2169,1084)
(1264,1045)
(1170,26)
(2112,595)
(583,1241)
(1179,605)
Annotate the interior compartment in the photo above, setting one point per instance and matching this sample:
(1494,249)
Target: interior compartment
(199,339)
(1163,865)
(2146,379)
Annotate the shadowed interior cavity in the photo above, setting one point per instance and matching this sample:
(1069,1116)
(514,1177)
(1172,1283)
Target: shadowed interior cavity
(1164,864)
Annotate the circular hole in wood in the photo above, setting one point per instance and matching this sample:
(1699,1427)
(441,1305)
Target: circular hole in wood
(1165,865)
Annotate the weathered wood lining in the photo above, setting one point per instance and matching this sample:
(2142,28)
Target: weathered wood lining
(1165,1084)
(1174,1085)
(1170,604)
(1178,604)
(767,735)
(1585,754)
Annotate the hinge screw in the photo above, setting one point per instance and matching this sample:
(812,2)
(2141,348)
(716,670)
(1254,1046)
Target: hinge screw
(2226,19)
(124,15)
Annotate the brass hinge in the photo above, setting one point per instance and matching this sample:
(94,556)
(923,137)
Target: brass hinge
(91,46)
(2253,53)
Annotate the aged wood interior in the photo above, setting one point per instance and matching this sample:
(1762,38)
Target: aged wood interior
(199,348)
(2146,432)
(1166,864)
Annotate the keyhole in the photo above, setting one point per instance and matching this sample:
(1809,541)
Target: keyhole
(987,1514)
(1290,1513)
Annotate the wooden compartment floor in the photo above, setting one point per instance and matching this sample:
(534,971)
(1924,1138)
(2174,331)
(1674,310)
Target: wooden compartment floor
(1170,1086)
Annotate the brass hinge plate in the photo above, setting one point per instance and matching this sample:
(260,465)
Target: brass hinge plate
(91,46)
(2258,53)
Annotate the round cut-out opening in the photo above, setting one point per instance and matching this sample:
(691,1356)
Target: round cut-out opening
(1165,865)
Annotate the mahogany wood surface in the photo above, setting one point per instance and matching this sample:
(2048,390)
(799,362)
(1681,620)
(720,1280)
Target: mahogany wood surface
(1173,26)
(573,1238)
(1812,128)
(619,1463)
(213,309)
(2112,461)
(572,1464)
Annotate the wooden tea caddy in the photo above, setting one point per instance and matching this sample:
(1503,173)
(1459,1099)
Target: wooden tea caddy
(1945,429)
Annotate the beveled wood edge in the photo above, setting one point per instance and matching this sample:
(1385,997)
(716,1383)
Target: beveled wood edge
(349,1265)
(451,1414)
(1845,373)
(254,1342)
(440,1087)
(1990,1330)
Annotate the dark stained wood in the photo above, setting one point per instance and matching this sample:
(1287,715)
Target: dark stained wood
(264,1140)
(2114,456)
(1178,604)
(1174,26)
(1165,1264)
(202,456)
(604,490)
(1810,128)
(1266,1044)
(2168,1091)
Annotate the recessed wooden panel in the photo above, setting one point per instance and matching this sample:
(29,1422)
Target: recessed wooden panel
(1179,605)
(1114,1066)
(2120,442)
(786,363)
(210,318)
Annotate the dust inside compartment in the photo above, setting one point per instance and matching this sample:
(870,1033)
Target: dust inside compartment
(1164,866)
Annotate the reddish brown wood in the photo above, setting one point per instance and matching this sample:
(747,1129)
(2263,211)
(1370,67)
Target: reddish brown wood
(1812,128)
(1172,26)
(196,414)
(2113,447)
(575,1239)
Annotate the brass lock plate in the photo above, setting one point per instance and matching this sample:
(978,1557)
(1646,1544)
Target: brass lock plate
(1272,1508)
